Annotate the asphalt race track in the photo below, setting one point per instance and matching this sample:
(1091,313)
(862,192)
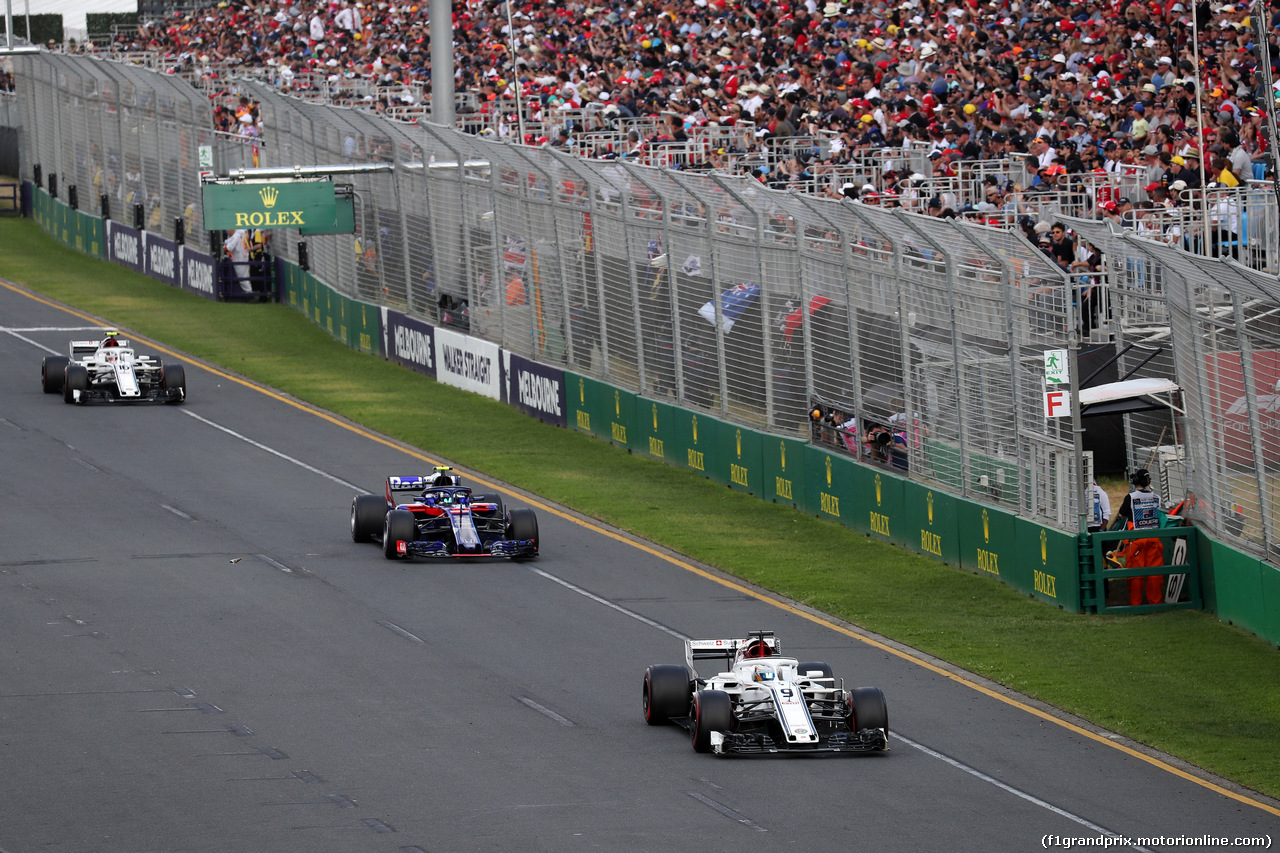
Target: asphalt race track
(194,656)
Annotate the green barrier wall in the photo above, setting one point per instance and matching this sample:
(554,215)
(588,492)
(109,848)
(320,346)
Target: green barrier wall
(988,539)
(931,522)
(1242,589)
(361,326)
(355,323)
(697,443)
(1047,565)
(784,471)
(743,454)
(654,430)
(830,483)
(77,229)
(879,510)
(92,231)
(581,405)
(617,410)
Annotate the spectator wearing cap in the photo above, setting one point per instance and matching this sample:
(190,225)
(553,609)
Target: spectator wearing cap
(1139,125)
(1124,211)
(1049,177)
(1112,157)
(1176,189)
(1080,135)
(1045,153)
(1155,169)
(1187,171)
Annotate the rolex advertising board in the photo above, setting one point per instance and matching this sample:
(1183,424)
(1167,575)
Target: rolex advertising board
(280,204)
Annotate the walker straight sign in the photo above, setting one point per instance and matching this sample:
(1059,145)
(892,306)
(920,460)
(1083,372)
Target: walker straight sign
(280,204)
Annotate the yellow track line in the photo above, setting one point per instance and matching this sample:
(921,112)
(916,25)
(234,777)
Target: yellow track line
(689,567)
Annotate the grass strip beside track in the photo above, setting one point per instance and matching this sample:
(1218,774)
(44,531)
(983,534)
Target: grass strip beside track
(1180,682)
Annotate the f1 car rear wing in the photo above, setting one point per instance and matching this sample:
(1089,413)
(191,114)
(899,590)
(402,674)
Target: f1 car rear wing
(83,348)
(726,650)
(416,484)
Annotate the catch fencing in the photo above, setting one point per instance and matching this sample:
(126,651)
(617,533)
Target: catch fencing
(714,292)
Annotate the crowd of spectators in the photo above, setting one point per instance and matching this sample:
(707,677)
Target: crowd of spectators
(1060,88)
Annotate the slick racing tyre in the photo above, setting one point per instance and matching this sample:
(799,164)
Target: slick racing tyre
(368,513)
(52,369)
(807,669)
(667,692)
(398,526)
(868,710)
(74,378)
(173,377)
(524,525)
(712,711)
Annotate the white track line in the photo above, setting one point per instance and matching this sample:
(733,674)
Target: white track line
(272,451)
(973,771)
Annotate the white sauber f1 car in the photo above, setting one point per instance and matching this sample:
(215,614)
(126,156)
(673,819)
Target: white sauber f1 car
(110,371)
(764,702)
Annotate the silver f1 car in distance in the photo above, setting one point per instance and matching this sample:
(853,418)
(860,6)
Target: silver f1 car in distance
(110,371)
(763,702)
(434,515)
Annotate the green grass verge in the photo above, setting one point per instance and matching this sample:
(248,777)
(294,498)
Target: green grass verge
(1180,682)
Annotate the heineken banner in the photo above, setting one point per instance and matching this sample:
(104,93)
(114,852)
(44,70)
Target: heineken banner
(281,204)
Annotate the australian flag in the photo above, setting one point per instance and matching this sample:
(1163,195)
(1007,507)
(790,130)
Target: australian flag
(733,302)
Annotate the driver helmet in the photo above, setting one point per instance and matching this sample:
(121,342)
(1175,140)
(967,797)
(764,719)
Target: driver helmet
(763,674)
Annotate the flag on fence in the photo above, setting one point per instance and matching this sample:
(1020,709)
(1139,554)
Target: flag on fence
(794,318)
(513,253)
(733,302)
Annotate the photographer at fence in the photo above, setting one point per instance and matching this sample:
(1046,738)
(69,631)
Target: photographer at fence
(836,428)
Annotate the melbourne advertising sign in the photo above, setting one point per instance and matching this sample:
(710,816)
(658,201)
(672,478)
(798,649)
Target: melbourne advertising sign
(160,259)
(197,273)
(281,204)
(533,388)
(408,341)
(124,246)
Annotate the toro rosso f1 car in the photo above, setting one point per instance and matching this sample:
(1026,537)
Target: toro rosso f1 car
(435,516)
(110,371)
(763,702)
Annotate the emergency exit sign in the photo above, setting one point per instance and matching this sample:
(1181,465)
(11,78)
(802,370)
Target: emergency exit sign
(1055,367)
